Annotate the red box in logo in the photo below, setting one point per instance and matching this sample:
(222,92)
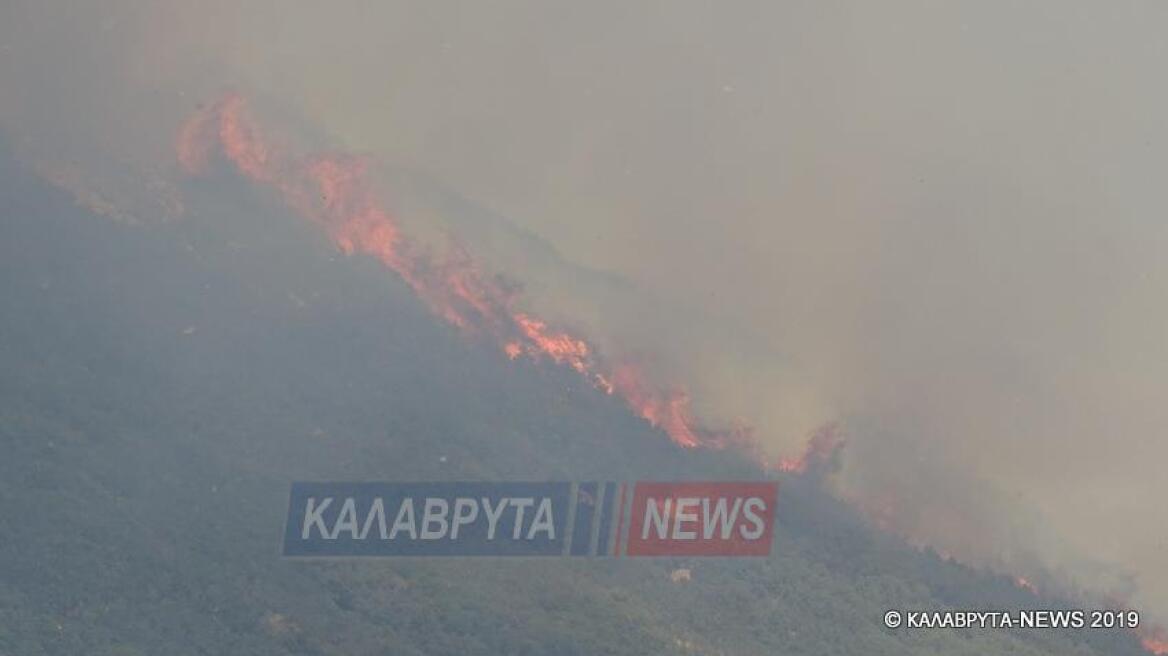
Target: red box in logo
(702,519)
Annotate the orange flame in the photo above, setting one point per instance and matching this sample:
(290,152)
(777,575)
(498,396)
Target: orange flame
(1154,640)
(333,190)
(1157,646)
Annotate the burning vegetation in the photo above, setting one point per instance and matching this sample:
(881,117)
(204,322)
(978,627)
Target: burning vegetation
(333,190)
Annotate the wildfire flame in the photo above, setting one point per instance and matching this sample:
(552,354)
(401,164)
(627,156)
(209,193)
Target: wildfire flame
(1157,646)
(333,190)
(1154,640)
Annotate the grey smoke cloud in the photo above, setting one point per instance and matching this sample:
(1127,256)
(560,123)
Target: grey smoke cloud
(942,223)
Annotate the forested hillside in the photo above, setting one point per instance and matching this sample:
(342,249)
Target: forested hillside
(161,385)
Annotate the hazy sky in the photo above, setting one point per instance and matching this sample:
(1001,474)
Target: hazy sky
(943,223)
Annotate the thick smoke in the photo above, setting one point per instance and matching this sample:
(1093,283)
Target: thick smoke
(937,224)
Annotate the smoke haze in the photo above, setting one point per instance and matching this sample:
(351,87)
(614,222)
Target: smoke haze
(940,224)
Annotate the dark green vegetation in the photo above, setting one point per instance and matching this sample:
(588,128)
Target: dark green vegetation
(160,387)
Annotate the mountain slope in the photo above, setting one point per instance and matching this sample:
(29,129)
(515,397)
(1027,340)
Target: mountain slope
(162,385)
